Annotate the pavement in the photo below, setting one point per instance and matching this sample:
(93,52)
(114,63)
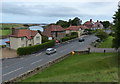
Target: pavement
(14,67)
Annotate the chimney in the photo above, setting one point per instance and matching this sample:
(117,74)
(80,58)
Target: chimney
(90,20)
(13,31)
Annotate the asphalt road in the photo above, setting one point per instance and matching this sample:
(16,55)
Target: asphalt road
(12,68)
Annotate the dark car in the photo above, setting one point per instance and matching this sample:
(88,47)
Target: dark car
(50,51)
(81,39)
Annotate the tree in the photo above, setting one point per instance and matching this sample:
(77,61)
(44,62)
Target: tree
(76,21)
(25,25)
(116,28)
(106,24)
(102,35)
(62,23)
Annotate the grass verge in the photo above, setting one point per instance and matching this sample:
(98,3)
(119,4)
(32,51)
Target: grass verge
(107,43)
(95,67)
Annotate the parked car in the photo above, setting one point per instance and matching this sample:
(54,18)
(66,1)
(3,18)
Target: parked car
(81,39)
(50,51)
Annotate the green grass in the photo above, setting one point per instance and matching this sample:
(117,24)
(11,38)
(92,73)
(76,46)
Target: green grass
(95,67)
(107,43)
(5,32)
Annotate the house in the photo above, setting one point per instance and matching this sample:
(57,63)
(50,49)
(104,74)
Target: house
(98,25)
(89,24)
(79,29)
(93,25)
(23,38)
(54,32)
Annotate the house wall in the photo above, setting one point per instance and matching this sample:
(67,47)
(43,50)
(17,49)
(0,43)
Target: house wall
(15,43)
(23,42)
(36,40)
(18,42)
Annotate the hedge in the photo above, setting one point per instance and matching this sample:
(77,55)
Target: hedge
(68,38)
(35,48)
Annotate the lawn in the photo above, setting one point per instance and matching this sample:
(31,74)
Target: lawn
(97,67)
(5,32)
(107,43)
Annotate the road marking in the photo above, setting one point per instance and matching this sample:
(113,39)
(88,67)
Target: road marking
(52,55)
(36,61)
(12,71)
(38,54)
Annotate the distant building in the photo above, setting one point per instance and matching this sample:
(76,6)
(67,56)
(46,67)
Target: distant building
(23,38)
(93,25)
(98,25)
(54,32)
(79,29)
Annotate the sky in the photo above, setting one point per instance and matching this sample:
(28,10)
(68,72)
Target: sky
(39,11)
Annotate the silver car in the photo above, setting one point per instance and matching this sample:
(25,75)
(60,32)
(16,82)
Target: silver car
(50,51)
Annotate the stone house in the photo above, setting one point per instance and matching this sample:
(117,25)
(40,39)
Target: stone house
(23,38)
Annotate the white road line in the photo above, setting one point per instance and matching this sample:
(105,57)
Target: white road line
(52,55)
(36,61)
(38,54)
(12,71)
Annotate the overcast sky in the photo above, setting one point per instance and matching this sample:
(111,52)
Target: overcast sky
(50,12)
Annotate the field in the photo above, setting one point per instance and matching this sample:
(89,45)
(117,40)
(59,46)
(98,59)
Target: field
(107,43)
(95,67)
(5,32)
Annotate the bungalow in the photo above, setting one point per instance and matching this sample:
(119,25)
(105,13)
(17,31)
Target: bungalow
(54,32)
(23,38)
(79,29)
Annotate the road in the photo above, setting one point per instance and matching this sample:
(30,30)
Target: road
(14,67)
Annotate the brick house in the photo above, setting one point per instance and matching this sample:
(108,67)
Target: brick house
(23,38)
(54,31)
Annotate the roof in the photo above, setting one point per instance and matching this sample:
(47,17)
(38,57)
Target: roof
(24,33)
(52,28)
(56,28)
(74,28)
(7,42)
(89,24)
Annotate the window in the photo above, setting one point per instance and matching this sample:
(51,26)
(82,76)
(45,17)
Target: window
(37,38)
(30,44)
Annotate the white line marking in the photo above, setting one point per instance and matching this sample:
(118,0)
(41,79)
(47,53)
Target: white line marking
(36,61)
(12,71)
(38,54)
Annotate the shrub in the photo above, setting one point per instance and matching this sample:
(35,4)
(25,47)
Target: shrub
(74,33)
(65,39)
(68,38)
(102,35)
(44,39)
(35,48)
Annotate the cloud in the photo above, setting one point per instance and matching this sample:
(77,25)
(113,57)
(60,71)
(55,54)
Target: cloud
(58,10)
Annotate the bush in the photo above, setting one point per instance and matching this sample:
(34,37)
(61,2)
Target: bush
(44,39)
(68,38)
(102,35)
(35,48)
(65,39)
(74,33)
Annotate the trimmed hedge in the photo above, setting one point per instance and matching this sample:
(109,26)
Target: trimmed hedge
(68,38)
(35,48)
